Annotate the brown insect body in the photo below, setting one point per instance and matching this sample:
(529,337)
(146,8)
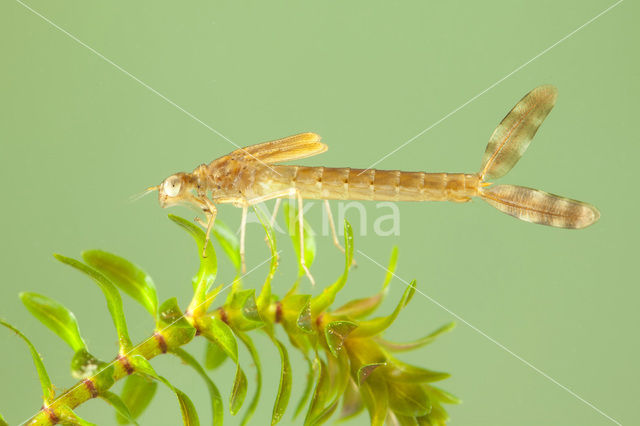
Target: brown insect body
(326,183)
(249,175)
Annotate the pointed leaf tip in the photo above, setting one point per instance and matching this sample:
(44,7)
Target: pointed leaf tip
(408,399)
(377,325)
(56,317)
(239,391)
(125,275)
(284,388)
(246,340)
(325,299)
(221,334)
(401,347)
(114,301)
(360,308)
(214,394)
(188,410)
(48,391)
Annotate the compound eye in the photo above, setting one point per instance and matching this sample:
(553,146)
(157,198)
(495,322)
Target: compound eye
(172,186)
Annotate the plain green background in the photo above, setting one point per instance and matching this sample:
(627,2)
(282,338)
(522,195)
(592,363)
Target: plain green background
(79,136)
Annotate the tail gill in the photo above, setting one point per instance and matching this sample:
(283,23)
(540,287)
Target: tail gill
(507,144)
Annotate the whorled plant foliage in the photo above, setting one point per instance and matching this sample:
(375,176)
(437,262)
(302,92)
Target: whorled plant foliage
(350,366)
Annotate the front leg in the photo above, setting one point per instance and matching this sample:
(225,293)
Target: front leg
(211,217)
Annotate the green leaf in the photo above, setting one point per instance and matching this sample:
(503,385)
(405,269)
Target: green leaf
(400,372)
(304,320)
(68,417)
(265,294)
(376,398)
(48,392)
(242,310)
(239,391)
(377,325)
(284,388)
(206,275)
(103,378)
(296,313)
(339,376)
(321,393)
(214,356)
(216,400)
(221,334)
(365,352)
(3,422)
(308,387)
(256,361)
(436,417)
(405,420)
(56,317)
(291,219)
(216,331)
(325,299)
(126,276)
(249,306)
(119,405)
(352,403)
(229,243)
(114,301)
(172,324)
(365,371)
(437,394)
(335,332)
(402,347)
(360,308)
(137,393)
(189,414)
(408,399)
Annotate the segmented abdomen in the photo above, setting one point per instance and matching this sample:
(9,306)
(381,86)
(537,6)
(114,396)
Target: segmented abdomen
(360,184)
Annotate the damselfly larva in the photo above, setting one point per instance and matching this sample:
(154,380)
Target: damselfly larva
(250,175)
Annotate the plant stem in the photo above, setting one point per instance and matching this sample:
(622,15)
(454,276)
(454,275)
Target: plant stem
(160,342)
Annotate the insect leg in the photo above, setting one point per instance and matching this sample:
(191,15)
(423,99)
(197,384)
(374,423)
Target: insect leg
(276,206)
(334,234)
(260,199)
(200,222)
(211,216)
(243,227)
(301,231)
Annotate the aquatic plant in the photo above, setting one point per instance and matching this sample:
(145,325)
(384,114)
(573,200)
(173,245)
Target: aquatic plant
(351,367)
